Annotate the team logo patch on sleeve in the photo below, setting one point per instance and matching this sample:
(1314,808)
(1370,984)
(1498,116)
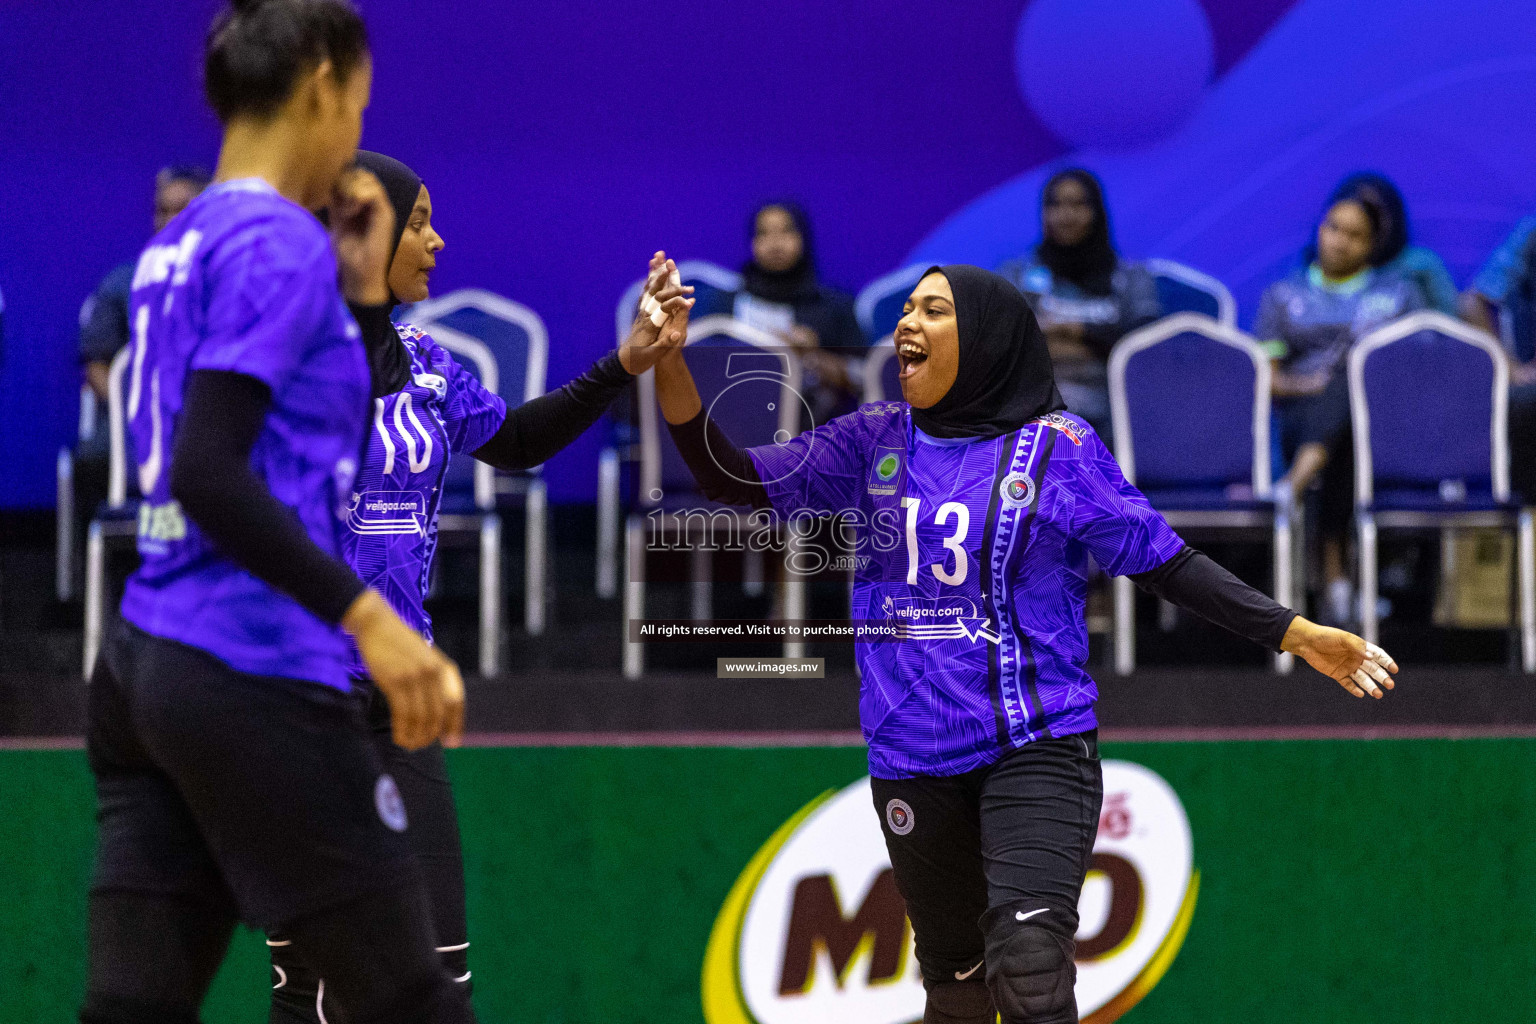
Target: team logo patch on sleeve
(1017,490)
(885,473)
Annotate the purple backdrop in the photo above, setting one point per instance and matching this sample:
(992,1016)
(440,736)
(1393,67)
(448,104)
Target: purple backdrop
(562,145)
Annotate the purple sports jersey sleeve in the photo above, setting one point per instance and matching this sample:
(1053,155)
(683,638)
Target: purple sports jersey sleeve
(1113,520)
(473,412)
(820,470)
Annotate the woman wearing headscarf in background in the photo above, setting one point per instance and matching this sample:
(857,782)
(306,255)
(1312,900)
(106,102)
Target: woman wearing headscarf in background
(1391,250)
(780,294)
(978,501)
(426,408)
(1309,320)
(1084,295)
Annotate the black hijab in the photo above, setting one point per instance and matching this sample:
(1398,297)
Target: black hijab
(1005,377)
(798,282)
(389,364)
(1090,264)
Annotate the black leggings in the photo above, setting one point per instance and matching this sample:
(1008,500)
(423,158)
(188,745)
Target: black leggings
(299,996)
(223,796)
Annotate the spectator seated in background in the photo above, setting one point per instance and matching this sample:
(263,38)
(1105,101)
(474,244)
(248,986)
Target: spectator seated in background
(1505,289)
(1084,295)
(1309,320)
(1391,250)
(104,331)
(781,295)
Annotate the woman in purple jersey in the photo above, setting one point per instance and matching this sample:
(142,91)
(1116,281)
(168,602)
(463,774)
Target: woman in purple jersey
(235,775)
(426,407)
(982,737)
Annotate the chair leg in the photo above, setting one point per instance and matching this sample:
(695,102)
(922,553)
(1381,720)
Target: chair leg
(1526,557)
(1366,528)
(490,595)
(64,521)
(752,572)
(1125,626)
(794,594)
(95,596)
(607,523)
(634,594)
(1284,560)
(537,545)
(701,565)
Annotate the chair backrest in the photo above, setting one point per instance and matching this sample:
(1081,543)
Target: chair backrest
(1429,401)
(709,281)
(504,344)
(882,371)
(90,410)
(878,305)
(1190,401)
(1182,289)
(117,437)
(749,381)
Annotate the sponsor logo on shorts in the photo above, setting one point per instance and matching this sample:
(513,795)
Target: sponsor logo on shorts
(386,798)
(898,815)
(1017,490)
(814,930)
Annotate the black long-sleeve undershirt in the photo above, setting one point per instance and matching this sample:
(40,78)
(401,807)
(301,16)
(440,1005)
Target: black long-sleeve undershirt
(727,474)
(536,430)
(211,476)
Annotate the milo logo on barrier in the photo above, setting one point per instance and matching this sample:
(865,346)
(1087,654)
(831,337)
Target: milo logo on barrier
(815,932)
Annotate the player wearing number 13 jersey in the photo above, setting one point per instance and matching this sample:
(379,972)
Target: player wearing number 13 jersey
(979,501)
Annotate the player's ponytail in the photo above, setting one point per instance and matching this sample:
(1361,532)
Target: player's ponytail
(258,49)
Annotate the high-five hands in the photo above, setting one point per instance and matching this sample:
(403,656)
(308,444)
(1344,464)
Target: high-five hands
(661,323)
(1360,667)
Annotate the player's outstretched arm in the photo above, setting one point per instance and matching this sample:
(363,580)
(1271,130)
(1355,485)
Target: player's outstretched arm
(1358,666)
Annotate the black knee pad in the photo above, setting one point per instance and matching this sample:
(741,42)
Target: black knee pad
(959,1002)
(1030,971)
(296,992)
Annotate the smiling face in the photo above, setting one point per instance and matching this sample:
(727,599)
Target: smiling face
(410,273)
(928,342)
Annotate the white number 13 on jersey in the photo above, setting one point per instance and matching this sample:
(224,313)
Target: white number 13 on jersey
(955,542)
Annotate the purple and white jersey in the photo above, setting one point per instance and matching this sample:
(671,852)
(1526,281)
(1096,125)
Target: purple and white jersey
(391,518)
(979,557)
(243,281)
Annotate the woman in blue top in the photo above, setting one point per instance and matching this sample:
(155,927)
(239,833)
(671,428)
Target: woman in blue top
(978,502)
(427,408)
(1309,320)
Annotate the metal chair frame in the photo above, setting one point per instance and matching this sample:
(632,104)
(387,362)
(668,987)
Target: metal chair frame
(1369,522)
(1279,525)
(793,590)
(1226,306)
(485,522)
(103,531)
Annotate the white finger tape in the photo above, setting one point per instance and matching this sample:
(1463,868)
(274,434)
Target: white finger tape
(652,308)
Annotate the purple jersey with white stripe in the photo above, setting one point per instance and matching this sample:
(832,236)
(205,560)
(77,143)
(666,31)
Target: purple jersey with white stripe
(979,555)
(391,534)
(243,281)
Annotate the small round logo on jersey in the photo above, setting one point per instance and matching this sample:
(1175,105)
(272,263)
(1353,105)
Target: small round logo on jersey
(898,815)
(386,798)
(886,468)
(1017,490)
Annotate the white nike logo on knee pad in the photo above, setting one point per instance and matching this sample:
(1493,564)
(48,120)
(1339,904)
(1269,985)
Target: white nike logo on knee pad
(1021,916)
(967,974)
